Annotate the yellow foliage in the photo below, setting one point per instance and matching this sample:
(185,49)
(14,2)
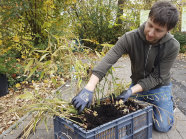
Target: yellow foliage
(1,42)
(37,55)
(70,1)
(49,2)
(23,57)
(16,38)
(18,60)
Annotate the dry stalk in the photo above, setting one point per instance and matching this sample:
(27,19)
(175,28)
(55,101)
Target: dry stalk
(30,126)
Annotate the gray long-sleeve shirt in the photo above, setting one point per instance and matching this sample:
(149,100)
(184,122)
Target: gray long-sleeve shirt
(150,65)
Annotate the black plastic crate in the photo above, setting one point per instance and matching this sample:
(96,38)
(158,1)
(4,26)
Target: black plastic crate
(136,125)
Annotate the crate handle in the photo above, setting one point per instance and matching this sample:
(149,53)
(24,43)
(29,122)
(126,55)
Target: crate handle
(69,126)
(64,135)
(128,129)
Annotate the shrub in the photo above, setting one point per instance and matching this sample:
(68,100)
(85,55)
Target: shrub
(181,37)
(9,66)
(103,21)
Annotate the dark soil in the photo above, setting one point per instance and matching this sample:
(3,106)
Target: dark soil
(105,112)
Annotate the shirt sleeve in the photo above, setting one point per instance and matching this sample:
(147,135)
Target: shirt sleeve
(111,57)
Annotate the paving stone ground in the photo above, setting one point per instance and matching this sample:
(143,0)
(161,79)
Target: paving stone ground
(122,72)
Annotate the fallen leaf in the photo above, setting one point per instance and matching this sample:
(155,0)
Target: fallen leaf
(10,122)
(18,85)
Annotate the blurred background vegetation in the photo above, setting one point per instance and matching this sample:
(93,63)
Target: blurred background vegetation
(43,38)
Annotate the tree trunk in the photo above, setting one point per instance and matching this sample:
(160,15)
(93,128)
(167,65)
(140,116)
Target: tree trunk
(120,11)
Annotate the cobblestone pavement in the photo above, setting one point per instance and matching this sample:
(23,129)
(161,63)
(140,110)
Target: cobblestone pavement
(122,71)
(179,83)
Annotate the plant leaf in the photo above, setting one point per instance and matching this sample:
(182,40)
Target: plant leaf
(43,56)
(28,65)
(32,72)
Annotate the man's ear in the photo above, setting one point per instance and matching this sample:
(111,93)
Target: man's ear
(169,30)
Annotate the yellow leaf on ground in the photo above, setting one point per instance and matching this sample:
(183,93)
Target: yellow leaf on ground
(45,81)
(18,85)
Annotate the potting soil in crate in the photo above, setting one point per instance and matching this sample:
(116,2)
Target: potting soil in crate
(134,125)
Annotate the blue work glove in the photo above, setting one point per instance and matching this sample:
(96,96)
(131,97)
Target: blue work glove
(82,100)
(124,95)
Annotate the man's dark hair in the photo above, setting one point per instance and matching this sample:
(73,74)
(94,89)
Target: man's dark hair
(164,14)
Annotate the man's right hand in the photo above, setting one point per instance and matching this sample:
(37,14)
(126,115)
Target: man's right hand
(82,100)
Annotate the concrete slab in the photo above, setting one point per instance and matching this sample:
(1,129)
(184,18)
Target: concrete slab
(177,131)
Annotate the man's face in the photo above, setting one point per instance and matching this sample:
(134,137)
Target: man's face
(154,32)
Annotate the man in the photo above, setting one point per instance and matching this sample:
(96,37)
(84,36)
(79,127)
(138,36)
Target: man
(152,51)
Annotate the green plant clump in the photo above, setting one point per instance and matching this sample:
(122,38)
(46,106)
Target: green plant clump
(181,38)
(10,67)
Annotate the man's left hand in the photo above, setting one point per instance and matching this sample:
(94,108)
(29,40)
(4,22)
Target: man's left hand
(124,95)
